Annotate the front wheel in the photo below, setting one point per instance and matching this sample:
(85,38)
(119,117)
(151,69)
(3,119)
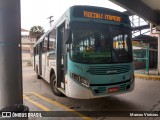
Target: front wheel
(53,86)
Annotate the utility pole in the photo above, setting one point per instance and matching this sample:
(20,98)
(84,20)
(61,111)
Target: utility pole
(10,54)
(50,20)
(158,61)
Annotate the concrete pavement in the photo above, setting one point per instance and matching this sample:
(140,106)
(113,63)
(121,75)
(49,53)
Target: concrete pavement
(145,97)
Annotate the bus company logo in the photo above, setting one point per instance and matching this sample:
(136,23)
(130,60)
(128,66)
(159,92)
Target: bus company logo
(111,71)
(6,114)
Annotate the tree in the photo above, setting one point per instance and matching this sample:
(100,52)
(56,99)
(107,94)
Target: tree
(36,32)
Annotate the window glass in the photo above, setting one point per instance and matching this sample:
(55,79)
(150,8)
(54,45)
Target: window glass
(52,40)
(122,49)
(90,44)
(35,52)
(45,45)
(100,43)
(38,49)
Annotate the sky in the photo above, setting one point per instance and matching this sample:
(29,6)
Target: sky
(36,12)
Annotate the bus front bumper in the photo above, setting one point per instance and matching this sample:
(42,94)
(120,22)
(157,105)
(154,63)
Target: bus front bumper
(76,90)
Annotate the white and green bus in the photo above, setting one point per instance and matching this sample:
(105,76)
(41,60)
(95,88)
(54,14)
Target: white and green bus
(87,53)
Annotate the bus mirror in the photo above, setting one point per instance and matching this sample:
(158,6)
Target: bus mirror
(67,36)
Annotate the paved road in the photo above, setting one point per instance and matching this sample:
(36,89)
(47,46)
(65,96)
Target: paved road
(145,97)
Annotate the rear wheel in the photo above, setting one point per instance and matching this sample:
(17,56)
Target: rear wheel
(53,86)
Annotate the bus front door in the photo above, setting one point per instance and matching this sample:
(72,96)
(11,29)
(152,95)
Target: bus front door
(61,58)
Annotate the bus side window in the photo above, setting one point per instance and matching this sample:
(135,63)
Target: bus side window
(45,45)
(35,52)
(52,40)
(38,49)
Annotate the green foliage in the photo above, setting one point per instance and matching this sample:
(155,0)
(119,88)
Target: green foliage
(36,32)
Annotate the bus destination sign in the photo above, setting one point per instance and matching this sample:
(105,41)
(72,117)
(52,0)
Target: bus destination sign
(96,15)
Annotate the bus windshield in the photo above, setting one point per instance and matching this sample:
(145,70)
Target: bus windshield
(100,43)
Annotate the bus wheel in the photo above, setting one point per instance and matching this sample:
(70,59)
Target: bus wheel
(53,86)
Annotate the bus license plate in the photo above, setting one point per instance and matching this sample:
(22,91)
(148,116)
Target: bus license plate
(114,89)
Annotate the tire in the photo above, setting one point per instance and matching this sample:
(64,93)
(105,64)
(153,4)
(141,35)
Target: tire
(53,86)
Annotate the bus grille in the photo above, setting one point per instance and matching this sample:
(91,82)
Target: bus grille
(123,87)
(108,70)
(101,89)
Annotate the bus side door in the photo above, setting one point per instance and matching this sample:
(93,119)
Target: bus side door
(61,57)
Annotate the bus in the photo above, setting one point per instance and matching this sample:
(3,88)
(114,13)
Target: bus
(87,53)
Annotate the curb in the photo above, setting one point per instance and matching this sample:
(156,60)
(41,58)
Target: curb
(147,77)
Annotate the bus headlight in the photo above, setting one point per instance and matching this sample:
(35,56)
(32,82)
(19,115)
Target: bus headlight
(75,76)
(82,80)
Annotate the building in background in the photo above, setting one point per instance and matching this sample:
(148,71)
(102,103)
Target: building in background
(27,47)
(140,44)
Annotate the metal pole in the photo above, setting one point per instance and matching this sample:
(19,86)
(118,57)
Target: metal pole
(158,60)
(147,59)
(10,54)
